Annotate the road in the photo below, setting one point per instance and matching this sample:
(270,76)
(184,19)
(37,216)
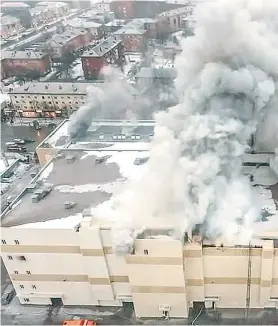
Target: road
(39,32)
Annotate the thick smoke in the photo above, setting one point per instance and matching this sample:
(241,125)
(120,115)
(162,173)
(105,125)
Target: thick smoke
(113,99)
(226,83)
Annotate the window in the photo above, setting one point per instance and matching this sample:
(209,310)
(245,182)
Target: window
(34,286)
(42,97)
(57,102)
(30,102)
(22,258)
(21,286)
(146,251)
(50,102)
(16,272)
(29,96)
(55,97)
(16,241)
(69,97)
(16,101)
(22,96)
(4,241)
(28,272)
(26,300)
(10,257)
(15,96)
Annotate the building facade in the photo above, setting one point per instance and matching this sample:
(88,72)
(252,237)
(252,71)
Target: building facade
(29,64)
(52,99)
(81,268)
(67,42)
(10,26)
(109,51)
(19,10)
(71,259)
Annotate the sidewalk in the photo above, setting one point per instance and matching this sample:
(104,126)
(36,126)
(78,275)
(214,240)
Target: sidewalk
(29,121)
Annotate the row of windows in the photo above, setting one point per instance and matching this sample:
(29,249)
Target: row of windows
(31,102)
(22,286)
(19,257)
(4,241)
(49,97)
(27,272)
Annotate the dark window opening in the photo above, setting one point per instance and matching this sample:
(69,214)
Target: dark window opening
(56,302)
(10,257)
(146,251)
(22,258)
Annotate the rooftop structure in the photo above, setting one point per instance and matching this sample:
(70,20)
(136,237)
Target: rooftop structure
(103,48)
(79,88)
(20,55)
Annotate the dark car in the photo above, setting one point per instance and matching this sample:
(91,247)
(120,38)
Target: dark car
(8,295)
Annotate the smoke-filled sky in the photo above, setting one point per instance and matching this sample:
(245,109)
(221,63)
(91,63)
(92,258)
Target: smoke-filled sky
(227,87)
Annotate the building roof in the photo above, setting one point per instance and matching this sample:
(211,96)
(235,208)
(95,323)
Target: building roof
(58,40)
(82,23)
(115,22)
(103,47)
(22,55)
(76,177)
(135,26)
(163,72)
(175,12)
(122,134)
(8,20)
(78,88)
(14,5)
(52,4)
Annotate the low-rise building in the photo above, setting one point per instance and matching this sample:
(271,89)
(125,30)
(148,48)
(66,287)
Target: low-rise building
(108,51)
(67,42)
(57,242)
(10,26)
(172,19)
(51,99)
(95,29)
(103,5)
(155,76)
(113,26)
(19,10)
(135,34)
(25,64)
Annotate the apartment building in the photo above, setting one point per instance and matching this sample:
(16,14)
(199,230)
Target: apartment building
(108,51)
(25,64)
(57,242)
(10,26)
(67,42)
(95,29)
(51,99)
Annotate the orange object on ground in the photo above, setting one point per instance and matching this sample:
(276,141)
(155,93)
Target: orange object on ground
(80,322)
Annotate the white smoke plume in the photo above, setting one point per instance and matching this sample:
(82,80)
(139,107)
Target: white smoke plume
(226,82)
(113,99)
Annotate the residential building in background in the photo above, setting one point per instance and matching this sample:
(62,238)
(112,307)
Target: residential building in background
(24,64)
(173,18)
(10,26)
(19,10)
(136,32)
(67,42)
(103,5)
(57,236)
(95,29)
(53,99)
(108,51)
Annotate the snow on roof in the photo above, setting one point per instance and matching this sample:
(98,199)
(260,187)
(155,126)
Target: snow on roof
(69,222)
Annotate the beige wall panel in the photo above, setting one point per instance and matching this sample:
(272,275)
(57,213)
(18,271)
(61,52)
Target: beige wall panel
(90,238)
(116,264)
(95,267)
(122,289)
(156,275)
(233,295)
(46,264)
(51,237)
(233,266)
(159,247)
(147,305)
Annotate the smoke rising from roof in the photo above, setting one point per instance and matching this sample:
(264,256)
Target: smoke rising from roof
(226,84)
(113,99)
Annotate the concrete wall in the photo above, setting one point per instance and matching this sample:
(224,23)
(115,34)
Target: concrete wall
(82,269)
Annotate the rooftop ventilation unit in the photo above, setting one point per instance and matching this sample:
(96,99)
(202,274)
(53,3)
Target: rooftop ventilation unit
(102,159)
(69,204)
(70,159)
(86,212)
(141,160)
